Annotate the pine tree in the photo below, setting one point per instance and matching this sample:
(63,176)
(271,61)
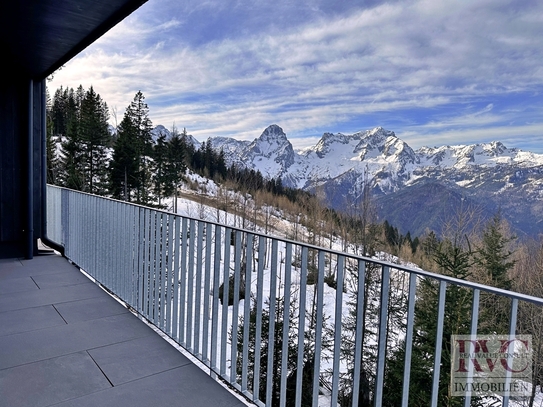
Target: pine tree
(292,348)
(177,167)
(420,379)
(79,120)
(124,165)
(51,146)
(369,336)
(130,169)
(529,280)
(95,139)
(453,258)
(494,256)
(493,259)
(73,157)
(221,165)
(58,112)
(430,243)
(197,162)
(366,241)
(160,173)
(209,159)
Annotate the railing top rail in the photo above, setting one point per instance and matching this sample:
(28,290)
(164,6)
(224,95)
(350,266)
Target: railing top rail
(411,270)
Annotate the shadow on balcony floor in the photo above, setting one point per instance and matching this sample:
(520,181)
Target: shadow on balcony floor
(65,342)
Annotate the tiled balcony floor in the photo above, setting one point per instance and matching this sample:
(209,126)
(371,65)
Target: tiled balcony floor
(65,342)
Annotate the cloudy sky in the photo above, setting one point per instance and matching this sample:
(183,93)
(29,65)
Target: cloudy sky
(435,72)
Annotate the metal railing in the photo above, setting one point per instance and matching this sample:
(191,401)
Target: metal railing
(295,324)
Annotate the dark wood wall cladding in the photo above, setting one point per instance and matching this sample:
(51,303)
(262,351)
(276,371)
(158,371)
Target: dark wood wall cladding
(16,96)
(13,115)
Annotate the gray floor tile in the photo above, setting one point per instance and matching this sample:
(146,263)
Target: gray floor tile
(46,343)
(10,268)
(93,308)
(9,262)
(65,278)
(17,268)
(47,263)
(15,285)
(131,360)
(36,298)
(29,319)
(186,386)
(51,381)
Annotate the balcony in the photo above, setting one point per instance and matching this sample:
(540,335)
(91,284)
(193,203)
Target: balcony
(299,325)
(66,342)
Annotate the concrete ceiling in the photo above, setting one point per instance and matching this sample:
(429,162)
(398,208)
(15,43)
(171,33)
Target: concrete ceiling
(39,36)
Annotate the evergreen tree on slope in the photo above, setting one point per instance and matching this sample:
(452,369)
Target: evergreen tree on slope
(494,262)
(72,162)
(177,150)
(95,139)
(130,169)
(124,166)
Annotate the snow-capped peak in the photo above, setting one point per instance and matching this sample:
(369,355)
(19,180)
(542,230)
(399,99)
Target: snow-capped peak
(273,140)
(271,153)
(160,130)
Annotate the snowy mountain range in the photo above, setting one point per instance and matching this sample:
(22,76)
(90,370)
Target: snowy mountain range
(412,189)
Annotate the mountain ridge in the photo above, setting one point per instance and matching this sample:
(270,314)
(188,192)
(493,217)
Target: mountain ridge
(489,175)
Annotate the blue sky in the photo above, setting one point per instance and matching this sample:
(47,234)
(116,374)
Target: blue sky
(435,72)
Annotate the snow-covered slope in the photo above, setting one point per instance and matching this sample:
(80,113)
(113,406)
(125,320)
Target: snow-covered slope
(231,147)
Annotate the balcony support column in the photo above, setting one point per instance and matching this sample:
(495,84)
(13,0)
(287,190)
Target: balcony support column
(29,227)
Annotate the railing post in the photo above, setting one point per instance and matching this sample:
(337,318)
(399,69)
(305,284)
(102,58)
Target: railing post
(225,298)
(473,332)
(215,312)
(183,283)
(439,341)
(409,339)
(169,287)
(286,325)
(512,333)
(319,286)
(207,291)
(357,373)
(381,349)
(156,266)
(337,329)
(271,325)
(147,265)
(175,268)
(259,305)
(235,307)
(190,283)
(198,287)
(301,327)
(247,315)
(163,282)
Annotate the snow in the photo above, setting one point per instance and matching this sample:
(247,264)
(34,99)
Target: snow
(367,154)
(464,182)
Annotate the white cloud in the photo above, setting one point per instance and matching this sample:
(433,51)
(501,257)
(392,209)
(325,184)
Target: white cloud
(402,58)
